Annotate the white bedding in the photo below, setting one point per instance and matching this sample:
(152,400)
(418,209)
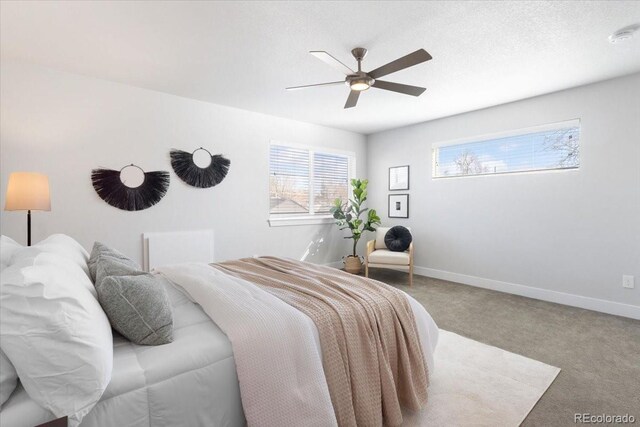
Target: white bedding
(189,382)
(276,347)
(280,353)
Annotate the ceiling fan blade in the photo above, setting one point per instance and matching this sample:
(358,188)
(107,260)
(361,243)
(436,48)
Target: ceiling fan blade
(352,100)
(407,61)
(341,82)
(333,62)
(400,88)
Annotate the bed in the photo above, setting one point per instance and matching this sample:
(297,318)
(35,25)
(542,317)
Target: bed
(207,377)
(191,381)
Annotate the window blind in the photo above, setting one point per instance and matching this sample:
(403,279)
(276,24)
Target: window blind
(289,180)
(555,146)
(303,181)
(330,180)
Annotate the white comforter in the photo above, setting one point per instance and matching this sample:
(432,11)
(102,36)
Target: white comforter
(189,382)
(278,358)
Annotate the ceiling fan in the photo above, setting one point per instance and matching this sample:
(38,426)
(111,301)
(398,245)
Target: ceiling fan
(359,80)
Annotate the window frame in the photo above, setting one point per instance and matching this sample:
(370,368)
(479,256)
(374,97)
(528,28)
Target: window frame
(280,220)
(505,134)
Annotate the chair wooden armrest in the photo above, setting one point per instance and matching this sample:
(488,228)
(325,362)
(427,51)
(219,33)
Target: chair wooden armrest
(371,245)
(411,264)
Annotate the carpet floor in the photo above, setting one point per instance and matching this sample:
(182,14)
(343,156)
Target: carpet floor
(599,354)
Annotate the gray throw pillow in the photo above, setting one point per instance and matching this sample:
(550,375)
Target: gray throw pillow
(138,308)
(108,265)
(100,249)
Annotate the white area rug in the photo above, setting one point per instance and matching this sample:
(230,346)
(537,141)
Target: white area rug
(475,384)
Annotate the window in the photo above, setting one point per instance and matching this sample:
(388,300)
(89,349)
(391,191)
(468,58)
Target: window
(303,183)
(555,146)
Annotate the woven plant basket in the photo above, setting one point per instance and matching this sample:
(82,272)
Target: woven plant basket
(352,264)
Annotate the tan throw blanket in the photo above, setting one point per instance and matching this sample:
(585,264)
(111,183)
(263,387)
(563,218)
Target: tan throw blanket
(372,357)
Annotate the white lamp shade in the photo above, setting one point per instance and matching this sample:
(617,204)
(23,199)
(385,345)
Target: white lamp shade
(28,191)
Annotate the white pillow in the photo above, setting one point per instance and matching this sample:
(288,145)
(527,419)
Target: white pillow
(76,275)
(67,247)
(8,378)
(57,336)
(8,248)
(380,233)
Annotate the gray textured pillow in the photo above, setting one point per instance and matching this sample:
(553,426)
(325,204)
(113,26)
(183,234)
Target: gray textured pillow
(108,265)
(100,249)
(138,307)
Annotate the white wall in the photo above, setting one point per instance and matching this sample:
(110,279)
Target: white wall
(570,232)
(539,234)
(64,125)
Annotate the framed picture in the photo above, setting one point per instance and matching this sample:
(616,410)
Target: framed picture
(398,206)
(399,178)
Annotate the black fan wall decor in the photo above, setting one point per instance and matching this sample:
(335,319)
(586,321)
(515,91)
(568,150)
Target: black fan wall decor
(110,187)
(196,176)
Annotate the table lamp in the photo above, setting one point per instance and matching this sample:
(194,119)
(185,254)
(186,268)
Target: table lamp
(28,191)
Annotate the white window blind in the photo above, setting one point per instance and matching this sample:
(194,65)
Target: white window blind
(555,146)
(330,180)
(304,181)
(289,180)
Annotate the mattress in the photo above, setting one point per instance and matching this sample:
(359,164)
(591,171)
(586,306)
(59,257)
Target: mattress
(191,381)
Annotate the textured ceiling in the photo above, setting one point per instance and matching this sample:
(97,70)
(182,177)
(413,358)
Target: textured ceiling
(243,54)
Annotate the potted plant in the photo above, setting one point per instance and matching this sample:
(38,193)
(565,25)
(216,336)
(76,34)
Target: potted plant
(347,216)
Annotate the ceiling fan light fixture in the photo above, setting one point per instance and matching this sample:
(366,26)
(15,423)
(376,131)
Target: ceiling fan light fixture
(360,85)
(359,82)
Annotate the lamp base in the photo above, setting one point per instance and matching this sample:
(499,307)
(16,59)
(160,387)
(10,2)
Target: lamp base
(29,228)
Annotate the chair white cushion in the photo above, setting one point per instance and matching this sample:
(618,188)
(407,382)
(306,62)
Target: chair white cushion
(56,335)
(380,233)
(385,256)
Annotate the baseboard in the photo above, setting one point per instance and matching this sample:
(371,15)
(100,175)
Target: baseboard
(604,306)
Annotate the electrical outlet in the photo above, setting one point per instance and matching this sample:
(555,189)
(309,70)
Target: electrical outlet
(627,282)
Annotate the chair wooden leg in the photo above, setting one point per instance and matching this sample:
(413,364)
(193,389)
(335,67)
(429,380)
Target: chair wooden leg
(411,275)
(366,270)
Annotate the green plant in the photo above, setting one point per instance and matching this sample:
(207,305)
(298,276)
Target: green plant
(348,214)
